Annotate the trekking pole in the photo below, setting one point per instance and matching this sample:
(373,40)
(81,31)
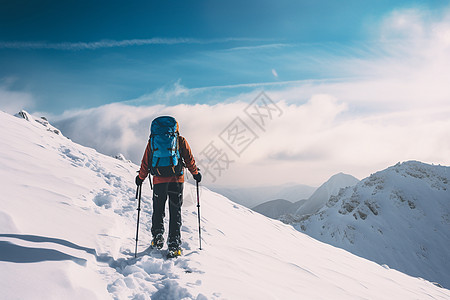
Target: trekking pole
(138,197)
(199,227)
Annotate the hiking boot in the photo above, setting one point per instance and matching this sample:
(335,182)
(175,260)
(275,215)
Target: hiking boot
(174,252)
(158,241)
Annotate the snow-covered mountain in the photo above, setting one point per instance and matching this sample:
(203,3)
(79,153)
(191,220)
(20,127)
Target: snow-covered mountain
(253,196)
(68,222)
(276,208)
(288,212)
(399,217)
(324,192)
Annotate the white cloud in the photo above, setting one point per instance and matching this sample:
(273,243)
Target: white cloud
(408,23)
(307,144)
(14,101)
(123,128)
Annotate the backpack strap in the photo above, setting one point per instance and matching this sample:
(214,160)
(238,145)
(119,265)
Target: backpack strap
(150,156)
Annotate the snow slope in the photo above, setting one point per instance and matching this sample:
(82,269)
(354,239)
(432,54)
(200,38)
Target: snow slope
(399,216)
(68,221)
(324,192)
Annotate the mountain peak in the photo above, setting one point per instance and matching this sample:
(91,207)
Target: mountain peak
(325,191)
(398,216)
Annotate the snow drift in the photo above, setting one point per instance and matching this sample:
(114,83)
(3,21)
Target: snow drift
(68,220)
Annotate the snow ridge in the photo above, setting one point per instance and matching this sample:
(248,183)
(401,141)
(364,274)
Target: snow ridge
(398,217)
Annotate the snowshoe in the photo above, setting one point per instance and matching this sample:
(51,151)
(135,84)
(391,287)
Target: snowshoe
(157,242)
(174,252)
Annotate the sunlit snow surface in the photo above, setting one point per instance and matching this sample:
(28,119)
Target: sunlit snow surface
(68,223)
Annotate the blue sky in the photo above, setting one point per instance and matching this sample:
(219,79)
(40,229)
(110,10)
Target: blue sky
(80,54)
(362,84)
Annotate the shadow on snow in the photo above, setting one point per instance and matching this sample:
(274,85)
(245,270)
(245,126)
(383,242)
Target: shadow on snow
(10,252)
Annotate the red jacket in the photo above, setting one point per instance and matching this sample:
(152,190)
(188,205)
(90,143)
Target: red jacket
(186,155)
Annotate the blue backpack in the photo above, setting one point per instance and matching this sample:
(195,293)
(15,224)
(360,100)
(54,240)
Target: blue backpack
(165,159)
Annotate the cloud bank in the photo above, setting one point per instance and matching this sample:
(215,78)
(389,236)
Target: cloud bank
(392,105)
(306,144)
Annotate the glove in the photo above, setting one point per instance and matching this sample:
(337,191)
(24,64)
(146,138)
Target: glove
(197,177)
(138,181)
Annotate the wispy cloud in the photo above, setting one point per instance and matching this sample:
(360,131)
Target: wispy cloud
(258,47)
(274,72)
(177,93)
(115,44)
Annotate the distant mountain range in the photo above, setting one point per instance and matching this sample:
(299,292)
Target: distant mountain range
(399,217)
(253,196)
(276,208)
(286,210)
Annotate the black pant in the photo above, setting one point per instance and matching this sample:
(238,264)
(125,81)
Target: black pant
(175,192)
